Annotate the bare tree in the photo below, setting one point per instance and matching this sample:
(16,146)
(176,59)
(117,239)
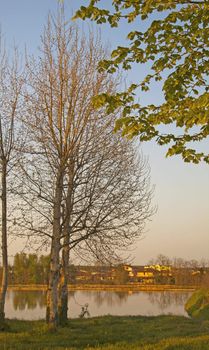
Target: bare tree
(84,190)
(111,200)
(11,141)
(161,259)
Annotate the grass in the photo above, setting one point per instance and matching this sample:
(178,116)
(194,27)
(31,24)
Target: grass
(110,333)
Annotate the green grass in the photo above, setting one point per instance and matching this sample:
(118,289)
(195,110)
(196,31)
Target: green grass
(110,333)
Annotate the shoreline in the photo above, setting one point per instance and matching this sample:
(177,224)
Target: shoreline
(114,288)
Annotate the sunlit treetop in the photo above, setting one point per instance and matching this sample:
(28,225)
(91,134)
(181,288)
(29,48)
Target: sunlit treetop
(175,46)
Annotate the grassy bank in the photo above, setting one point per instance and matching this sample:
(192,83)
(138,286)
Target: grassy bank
(109,287)
(110,333)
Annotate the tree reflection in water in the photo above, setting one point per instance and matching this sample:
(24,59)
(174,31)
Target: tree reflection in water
(29,300)
(166,298)
(111,298)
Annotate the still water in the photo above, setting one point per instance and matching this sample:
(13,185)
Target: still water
(30,305)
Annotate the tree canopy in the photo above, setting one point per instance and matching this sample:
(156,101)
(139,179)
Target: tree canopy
(174,47)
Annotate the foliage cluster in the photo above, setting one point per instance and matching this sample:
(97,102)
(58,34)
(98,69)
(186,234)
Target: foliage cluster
(198,305)
(175,47)
(29,268)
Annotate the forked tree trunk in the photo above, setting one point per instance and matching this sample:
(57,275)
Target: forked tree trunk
(4,283)
(52,317)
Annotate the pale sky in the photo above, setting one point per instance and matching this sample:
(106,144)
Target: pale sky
(180,228)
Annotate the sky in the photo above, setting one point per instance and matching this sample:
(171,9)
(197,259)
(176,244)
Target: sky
(180,228)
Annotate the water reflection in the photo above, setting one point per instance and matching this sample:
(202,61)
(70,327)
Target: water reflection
(108,297)
(31,304)
(166,298)
(28,300)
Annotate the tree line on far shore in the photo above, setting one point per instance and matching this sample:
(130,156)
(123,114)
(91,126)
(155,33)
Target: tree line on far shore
(30,269)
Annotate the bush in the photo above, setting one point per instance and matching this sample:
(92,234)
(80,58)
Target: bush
(198,305)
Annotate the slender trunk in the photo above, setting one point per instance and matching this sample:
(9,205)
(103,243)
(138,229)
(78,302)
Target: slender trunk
(63,283)
(4,242)
(64,271)
(52,291)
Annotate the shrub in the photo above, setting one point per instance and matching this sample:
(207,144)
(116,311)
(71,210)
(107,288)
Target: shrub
(198,305)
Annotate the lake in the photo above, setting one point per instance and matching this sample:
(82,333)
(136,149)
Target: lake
(30,305)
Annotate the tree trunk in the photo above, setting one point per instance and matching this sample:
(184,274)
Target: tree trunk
(64,271)
(4,243)
(52,291)
(63,284)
